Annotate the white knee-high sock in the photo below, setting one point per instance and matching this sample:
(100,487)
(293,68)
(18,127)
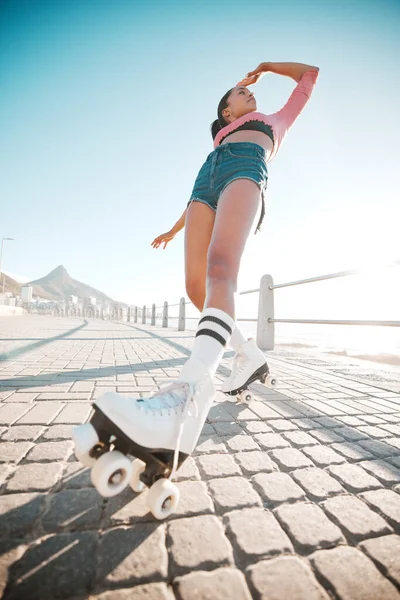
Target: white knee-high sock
(213,333)
(237,339)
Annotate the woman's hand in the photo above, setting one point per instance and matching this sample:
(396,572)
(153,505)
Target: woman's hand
(253,76)
(164,238)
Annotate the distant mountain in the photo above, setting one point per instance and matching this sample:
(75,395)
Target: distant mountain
(10,285)
(58,285)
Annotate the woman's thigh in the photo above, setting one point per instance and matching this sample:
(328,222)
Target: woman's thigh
(198,231)
(237,208)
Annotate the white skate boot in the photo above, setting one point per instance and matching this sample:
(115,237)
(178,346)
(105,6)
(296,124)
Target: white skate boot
(159,431)
(249,365)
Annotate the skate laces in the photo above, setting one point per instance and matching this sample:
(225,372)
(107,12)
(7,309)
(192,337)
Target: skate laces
(168,399)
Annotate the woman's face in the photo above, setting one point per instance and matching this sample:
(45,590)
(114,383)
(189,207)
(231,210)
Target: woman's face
(240,102)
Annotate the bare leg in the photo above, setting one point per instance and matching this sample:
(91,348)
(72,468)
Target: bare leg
(236,212)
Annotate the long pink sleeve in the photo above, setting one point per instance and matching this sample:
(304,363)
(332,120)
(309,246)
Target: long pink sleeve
(282,120)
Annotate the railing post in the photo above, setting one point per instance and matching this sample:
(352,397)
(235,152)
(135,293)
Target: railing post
(165,315)
(266,329)
(144,315)
(135,317)
(153,314)
(182,314)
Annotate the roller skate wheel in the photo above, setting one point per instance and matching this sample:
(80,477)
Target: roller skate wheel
(138,466)
(85,438)
(111,473)
(271,381)
(162,498)
(245,396)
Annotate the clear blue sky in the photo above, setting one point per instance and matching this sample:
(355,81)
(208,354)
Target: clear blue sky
(105,109)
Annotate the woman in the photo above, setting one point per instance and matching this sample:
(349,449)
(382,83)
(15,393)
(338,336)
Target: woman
(237,106)
(222,208)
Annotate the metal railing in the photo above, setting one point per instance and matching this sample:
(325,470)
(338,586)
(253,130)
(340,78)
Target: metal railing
(266,312)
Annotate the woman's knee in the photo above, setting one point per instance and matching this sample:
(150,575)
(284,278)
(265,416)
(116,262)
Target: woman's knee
(221,268)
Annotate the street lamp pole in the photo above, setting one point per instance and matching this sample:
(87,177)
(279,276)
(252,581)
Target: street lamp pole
(1,257)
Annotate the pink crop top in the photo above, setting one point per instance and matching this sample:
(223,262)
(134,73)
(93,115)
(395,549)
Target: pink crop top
(279,123)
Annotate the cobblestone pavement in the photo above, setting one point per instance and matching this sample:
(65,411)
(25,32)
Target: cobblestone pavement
(294,497)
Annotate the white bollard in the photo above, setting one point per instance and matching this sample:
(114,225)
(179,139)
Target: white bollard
(266,329)
(144,315)
(153,314)
(182,314)
(165,315)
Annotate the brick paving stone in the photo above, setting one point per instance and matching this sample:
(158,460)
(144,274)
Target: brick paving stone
(239,443)
(392,428)
(67,567)
(5,471)
(19,433)
(209,429)
(209,445)
(276,488)
(50,451)
(385,552)
(14,451)
(257,427)
(374,432)
(73,509)
(149,591)
(218,413)
(255,462)
(262,410)
(9,413)
(73,413)
(354,478)
(306,424)
(350,420)
(326,422)
(317,483)
(197,543)
(218,465)
(126,508)
(355,518)
(387,503)
(394,460)
(194,499)
(308,526)
(230,493)
(326,436)
(34,477)
(270,441)
(323,456)
(395,442)
(284,578)
(255,533)
(352,452)
(372,419)
(22,397)
(352,575)
(283,425)
(128,555)
(351,434)
(75,476)
(18,513)
(188,470)
(219,584)
(228,428)
(382,470)
(290,458)
(380,449)
(298,439)
(41,414)
(57,432)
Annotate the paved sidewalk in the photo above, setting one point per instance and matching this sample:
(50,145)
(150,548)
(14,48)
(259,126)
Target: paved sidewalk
(294,497)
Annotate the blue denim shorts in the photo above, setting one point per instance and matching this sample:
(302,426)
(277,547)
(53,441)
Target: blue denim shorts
(231,161)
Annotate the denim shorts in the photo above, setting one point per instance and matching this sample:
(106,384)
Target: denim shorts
(231,161)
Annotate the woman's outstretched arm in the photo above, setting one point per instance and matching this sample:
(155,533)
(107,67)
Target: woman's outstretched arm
(289,69)
(164,238)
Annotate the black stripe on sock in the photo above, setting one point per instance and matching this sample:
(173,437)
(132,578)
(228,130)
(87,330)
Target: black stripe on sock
(217,321)
(212,334)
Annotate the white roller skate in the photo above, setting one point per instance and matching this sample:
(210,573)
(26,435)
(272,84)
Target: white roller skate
(159,431)
(249,365)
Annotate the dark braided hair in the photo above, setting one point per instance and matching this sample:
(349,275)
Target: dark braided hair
(220,122)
